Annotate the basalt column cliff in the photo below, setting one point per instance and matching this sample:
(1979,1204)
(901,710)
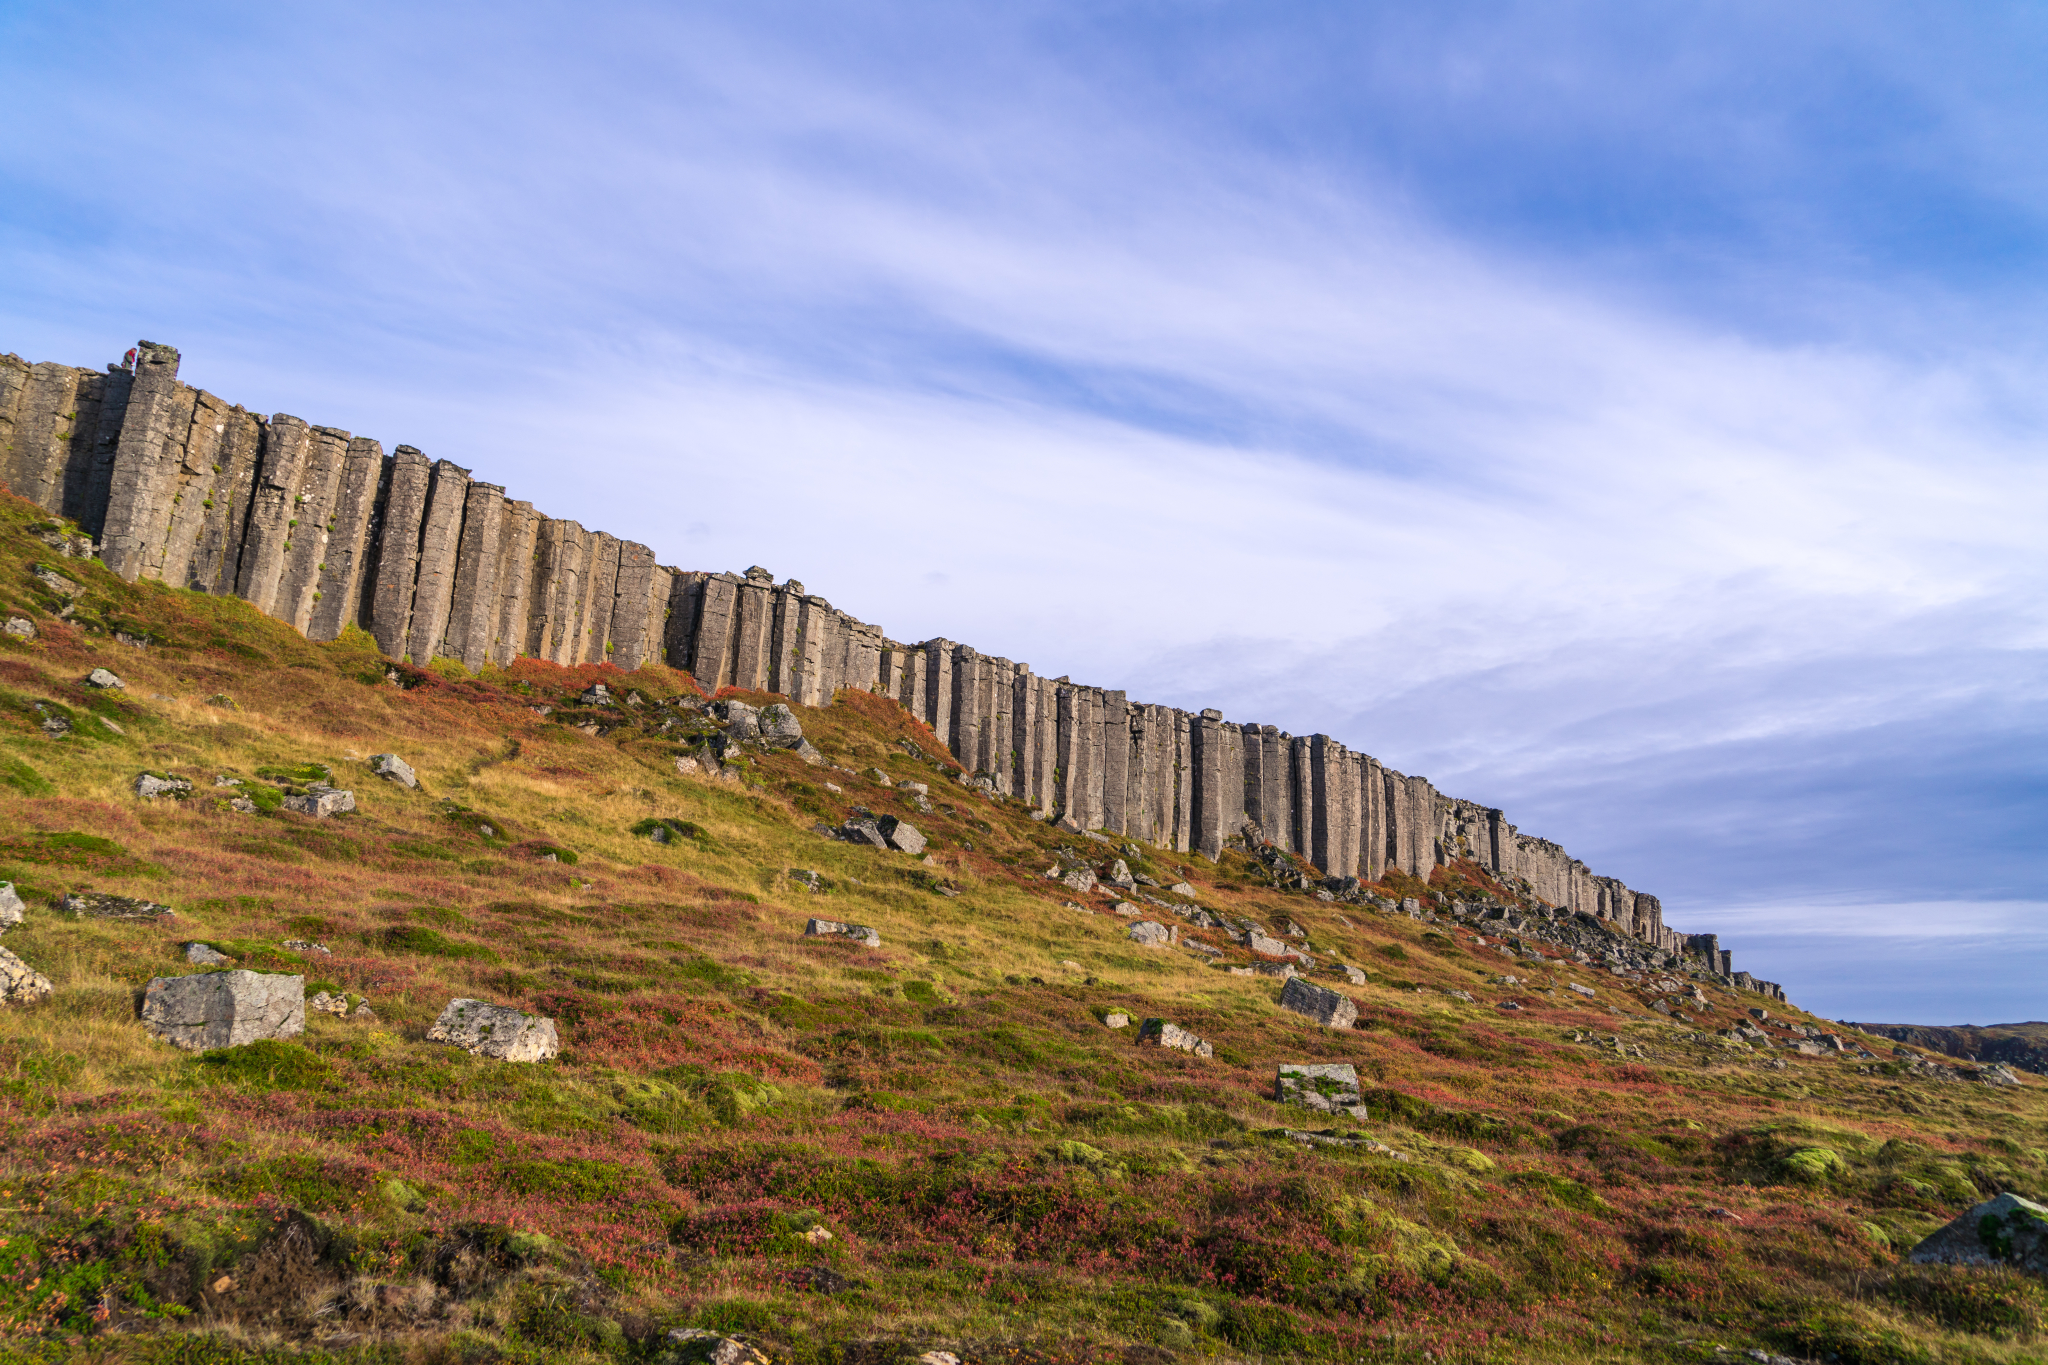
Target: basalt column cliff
(324,529)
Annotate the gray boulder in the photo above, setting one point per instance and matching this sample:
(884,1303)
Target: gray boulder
(19,982)
(149,786)
(1325,1006)
(1120,875)
(1266,945)
(741,720)
(224,1009)
(321,801)
(867,832)
(20,627)
(2008,1231)
(1324,1087)
(496,1031)
(206,955)
(779,726)
(859,933)
(395,769)
(1160,1033)
(1152,934)
(100,905)
(809,754)
(11,908)
(100,677)
(1081,880)
(1182,889)
(901,835)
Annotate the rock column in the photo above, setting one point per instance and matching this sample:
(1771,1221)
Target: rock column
(433,592)
(338,594)
(473,602)
(287,444)
(398,550)
(518,561)
(149,447)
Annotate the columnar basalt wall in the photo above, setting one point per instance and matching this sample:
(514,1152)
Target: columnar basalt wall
(324,530)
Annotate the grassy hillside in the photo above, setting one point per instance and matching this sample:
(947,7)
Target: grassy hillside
(839,1153)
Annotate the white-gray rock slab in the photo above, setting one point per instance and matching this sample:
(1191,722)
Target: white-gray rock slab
(1325,1006)
(100,677)
(224,1009)
(206,955)
(395,769)
(11,908)
(1322,1086)
(498,1031)
(149,786)
(901,835)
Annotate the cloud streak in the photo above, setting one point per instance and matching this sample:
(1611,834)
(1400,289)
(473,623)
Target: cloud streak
(1553,407)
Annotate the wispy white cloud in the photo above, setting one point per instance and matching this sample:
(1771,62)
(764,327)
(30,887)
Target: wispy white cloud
(1230,360)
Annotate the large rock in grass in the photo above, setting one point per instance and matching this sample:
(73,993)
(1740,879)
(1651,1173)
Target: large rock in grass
(395,769)
(19,982)
(779,726)
(901,835)
(11,908)
(496,1031)
(224,1009)
(1325,1087)
(1327,1007)
(2008,1231)
(859,933)
(320,801)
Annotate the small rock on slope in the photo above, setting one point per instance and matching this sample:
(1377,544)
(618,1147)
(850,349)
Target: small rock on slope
(19,982)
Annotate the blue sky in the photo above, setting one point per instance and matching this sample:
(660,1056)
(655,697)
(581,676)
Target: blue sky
(1627,415)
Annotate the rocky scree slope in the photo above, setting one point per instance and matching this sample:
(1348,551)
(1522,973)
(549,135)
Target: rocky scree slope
(1041,1119)
(322,529)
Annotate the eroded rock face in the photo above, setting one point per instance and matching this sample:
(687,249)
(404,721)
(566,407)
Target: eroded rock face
(395,769)
(2008,1231)
(498,1031)
(224,1009)
(1325,1006)
(19,982)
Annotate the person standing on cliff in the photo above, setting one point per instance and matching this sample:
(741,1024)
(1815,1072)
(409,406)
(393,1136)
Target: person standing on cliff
(128,361)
